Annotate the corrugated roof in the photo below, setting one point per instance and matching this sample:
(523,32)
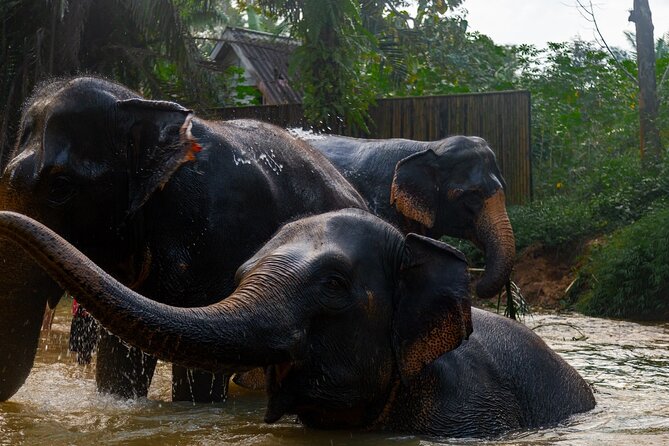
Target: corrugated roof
(266,56)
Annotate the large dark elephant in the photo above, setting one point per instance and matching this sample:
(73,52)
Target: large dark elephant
(168,204)
(356,326)
(448,187)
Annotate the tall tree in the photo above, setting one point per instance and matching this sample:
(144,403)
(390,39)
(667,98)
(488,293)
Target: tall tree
(649,134)
(342,43)
(329,60)
(143,43)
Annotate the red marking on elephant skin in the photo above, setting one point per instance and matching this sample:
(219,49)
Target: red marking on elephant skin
(187,138)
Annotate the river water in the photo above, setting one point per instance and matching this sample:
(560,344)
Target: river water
(627,363)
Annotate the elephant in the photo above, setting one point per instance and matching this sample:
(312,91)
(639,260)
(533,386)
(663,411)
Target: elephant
(168,204)
(356,325)
(448,187)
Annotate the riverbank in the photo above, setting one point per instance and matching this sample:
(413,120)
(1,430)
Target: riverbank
(545,274)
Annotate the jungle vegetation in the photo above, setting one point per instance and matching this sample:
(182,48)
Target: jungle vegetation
(591,181)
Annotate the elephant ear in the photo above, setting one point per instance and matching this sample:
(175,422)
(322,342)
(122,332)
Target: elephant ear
(432,313)
(159,141)
(415,188)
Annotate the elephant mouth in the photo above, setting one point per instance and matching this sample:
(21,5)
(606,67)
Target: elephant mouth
(281,398)
(288,394)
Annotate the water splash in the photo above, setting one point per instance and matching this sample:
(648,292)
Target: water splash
(306,135)
(628,364)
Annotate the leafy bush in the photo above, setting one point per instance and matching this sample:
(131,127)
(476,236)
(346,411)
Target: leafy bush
(475,257)
(621,191)
(552,222)
(583,112)
(614,193)
(628,276)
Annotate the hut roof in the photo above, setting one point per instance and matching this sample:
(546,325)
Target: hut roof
(265,57)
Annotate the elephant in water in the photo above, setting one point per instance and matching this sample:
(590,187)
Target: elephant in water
(168,204)
(448,187)
(357,326)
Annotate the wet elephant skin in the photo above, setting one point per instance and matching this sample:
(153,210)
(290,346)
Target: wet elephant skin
(357,326)
(167,203)
(448,187)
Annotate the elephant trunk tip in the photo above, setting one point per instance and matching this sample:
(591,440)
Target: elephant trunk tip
(496,235)
(487,289)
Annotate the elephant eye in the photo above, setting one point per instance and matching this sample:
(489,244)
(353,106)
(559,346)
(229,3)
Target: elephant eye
(454,194)
(61,190)
(335,283)
(335,292)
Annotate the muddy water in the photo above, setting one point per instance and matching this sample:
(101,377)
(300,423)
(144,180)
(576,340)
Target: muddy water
(627,363)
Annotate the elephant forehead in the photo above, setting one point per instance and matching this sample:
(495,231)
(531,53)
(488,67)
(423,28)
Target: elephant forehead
(350,234)
(475,169)
(72,142)
(329,227)
(340,236)
(81,101)
(298,255)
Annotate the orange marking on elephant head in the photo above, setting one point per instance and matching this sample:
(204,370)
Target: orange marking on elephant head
(254,379)
(443,337)
(409,206)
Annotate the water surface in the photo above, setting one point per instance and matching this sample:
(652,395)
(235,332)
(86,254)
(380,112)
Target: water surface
(627,363)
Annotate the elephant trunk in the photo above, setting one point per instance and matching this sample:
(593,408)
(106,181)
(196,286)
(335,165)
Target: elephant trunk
(494,232)
(24,290)
(214,338)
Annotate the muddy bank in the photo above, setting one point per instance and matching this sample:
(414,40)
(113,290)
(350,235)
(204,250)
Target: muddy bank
(545,274)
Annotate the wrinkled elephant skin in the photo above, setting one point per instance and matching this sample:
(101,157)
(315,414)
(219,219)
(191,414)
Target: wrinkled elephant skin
(166,203)
(448,187)
(356,325)
(23,296)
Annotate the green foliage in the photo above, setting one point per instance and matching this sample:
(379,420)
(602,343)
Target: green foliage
(328,65)
(628,276)
(356,50)
(234,91)
(611,194)
(584,111)
(433,53)
(328,61)
(620,191)
(553,222)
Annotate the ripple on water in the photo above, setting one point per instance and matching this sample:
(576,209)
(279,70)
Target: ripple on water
(627,363)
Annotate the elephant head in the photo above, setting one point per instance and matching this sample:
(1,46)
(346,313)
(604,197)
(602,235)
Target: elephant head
(78,169)
(455,188)
(339,308)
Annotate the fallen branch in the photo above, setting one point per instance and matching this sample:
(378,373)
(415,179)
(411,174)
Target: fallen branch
(582,336)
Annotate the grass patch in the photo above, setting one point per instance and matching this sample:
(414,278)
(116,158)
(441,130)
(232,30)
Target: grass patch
(628,276)
(613,194)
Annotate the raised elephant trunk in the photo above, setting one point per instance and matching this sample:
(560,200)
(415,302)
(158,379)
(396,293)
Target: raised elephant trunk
(214,338)
(494,232)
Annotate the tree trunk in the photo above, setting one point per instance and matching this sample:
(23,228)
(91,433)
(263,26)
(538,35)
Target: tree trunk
(650,146)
